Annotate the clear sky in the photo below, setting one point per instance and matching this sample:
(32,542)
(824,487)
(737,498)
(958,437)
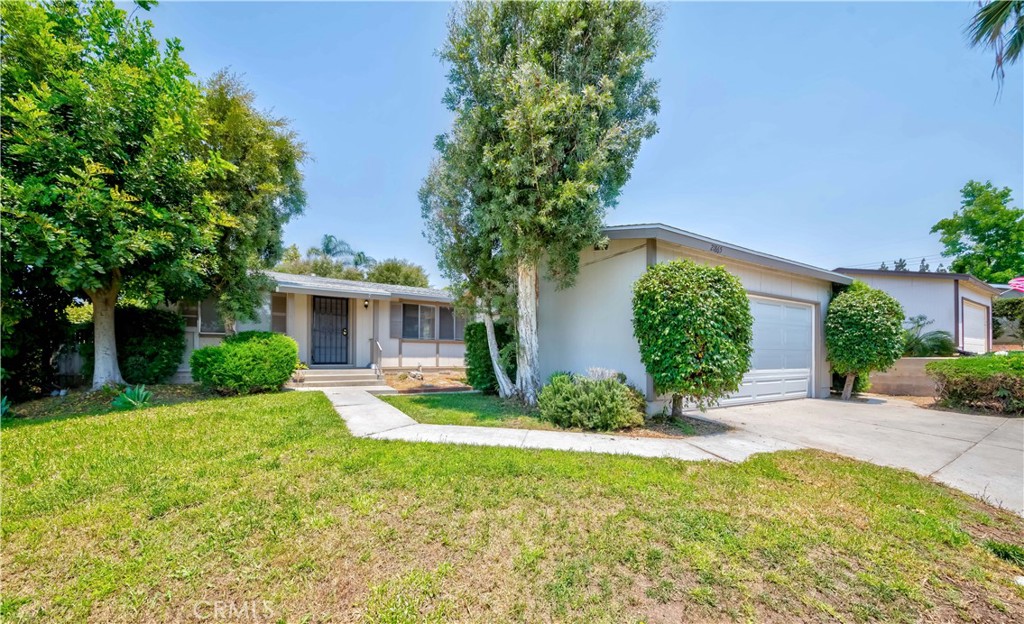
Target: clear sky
(829,133)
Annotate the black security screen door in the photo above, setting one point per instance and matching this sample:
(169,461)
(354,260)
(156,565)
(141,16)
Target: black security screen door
(330,330)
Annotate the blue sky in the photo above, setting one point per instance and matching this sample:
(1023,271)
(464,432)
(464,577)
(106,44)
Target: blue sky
(830,133)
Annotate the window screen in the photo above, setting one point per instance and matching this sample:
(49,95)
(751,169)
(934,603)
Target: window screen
(279,312)
(209,318)
(446,324)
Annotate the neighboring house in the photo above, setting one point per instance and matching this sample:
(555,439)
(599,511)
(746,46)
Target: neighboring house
(590,324)
(1012,334)
(958,303)
(344,323)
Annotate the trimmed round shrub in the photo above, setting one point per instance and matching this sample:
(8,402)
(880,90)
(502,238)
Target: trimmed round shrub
(246,363)
(479,371)
(574,401)
(990,382)
(863,333)
(694,328)
(150,344)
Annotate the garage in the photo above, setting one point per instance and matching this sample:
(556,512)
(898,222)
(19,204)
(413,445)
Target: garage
(975,327)
(783,358)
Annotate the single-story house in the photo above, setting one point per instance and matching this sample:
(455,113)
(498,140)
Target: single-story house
(958,303)
(345,324)
(590,324)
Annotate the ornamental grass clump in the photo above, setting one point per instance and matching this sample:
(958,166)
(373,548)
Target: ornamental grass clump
(694,328)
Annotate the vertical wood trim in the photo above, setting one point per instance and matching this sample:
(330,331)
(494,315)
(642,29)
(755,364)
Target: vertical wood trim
(437,354)
(957,303)
(652,259)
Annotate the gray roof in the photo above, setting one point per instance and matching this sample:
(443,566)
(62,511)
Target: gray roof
(288,282)
(669,234)
(963,277)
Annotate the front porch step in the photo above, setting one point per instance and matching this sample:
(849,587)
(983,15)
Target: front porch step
(328,382)
(336,375)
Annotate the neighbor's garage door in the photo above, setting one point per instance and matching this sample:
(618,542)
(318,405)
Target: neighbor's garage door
(780,367)
(975,327)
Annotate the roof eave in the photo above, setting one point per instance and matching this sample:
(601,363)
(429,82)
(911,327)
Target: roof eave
(669,234)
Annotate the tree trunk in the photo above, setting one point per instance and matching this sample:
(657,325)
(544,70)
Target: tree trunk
(505,386)
(105,370)
(677,405)
(848,386)
(527,376)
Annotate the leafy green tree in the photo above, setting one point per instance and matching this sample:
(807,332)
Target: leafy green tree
(863,332)
(105,172)
(262,192)
(899,265)
(315,262)
(398,271)
(1007,318)
(985,236)
(552,104)
(467,248)
(999,25)
(694,328)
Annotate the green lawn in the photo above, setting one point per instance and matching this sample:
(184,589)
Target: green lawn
(483,410)
(469,408)
(168,513)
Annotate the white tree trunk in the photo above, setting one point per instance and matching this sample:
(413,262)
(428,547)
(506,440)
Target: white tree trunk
(848,386)
(105,370)
(505,386)
(527,375)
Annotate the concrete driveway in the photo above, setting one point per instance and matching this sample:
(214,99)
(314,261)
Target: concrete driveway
(981,455)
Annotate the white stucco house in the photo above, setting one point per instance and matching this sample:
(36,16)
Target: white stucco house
(958,303)
(590,324)
(345,324)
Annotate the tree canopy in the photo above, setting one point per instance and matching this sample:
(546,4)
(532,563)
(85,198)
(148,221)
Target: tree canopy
(985,236)
(551,105)
(999,25)
(121,174)
(398,271)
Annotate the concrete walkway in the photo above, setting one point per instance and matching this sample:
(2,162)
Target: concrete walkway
(369,417)
(981,455)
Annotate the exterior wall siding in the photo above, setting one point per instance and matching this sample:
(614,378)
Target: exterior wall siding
(590,324)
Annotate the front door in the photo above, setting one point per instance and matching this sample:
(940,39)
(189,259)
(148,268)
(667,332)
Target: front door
(330,331)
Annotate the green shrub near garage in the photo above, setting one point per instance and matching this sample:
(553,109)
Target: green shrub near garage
(246,363)
(479,371)
(575,401)
(694,328)
(989,382)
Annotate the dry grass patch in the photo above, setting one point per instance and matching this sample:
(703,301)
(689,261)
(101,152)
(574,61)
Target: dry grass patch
(267,501)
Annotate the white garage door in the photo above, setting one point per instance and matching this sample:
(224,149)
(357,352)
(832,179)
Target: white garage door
(975,327)
(780,367)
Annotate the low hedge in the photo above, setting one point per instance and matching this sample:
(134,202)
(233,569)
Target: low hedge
(575,401)
(150,344)
(479,371)
(246,363)
(992,382)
